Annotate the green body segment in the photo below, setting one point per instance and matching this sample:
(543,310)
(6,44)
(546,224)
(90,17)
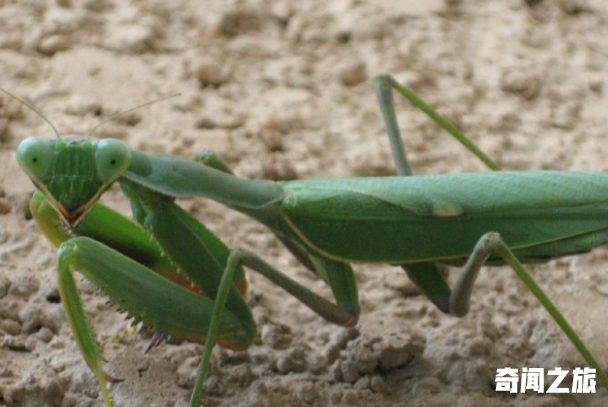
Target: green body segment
(441,217)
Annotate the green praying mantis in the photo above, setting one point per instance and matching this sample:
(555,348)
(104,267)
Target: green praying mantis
(186,283)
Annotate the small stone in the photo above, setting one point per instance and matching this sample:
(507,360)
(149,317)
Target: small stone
(213,386)
(521,81)
(5,207)
(378,385)
(209,73)
(338,341)
(5,131)
(429,385)
(276,336)
(396,352)
(24,286)
(351,397)
(350,372)
(206,123)
(363,383)
(304,393)
(239,21)
(10,326)
(45,334)
(5,284)
(365,360)
(353,74)
(53,44)
(596,84)
(336,396)
(292,360)
(574,7)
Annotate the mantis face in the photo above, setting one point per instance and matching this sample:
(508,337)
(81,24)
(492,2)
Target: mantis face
(73,172)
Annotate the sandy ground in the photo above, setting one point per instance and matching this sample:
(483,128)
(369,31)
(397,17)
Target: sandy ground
(282,90)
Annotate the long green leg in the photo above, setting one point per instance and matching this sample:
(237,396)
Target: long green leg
(491,243)
(427,276)
(340,278)
(386,82)
(384,93)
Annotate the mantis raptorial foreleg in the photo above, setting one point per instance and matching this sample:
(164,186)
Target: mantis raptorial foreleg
(134,287)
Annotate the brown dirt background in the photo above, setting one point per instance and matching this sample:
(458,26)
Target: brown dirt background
(283,90)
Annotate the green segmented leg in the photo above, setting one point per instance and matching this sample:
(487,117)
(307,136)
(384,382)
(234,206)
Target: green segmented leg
(342,283)
(384,84)
(427,276)
(489,244)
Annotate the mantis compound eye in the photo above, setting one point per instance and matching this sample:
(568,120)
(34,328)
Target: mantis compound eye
(112,159)
(35,156)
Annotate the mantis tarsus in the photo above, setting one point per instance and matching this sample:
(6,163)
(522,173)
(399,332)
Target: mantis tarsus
(416,222)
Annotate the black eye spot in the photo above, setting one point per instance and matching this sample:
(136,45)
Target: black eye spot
(35,159)
(113,161)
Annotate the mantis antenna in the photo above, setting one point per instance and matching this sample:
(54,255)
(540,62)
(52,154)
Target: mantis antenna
(32,108)
(114,116)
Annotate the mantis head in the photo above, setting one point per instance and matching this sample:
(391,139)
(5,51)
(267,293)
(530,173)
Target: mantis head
(73,172)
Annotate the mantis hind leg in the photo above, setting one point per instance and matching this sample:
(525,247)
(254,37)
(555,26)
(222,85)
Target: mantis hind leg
(428,276)
(385,84)
(492,244)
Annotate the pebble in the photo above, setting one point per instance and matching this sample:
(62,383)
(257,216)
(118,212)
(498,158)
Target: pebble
(378,385)
(45,334)
(24,286)
(6,134)
(304,392)
(10,326)
(349,371)
(396,352)
(53,44)
(521,81)
(351,397)
(5,207)
(353,74)
(292,360)
(276,336)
